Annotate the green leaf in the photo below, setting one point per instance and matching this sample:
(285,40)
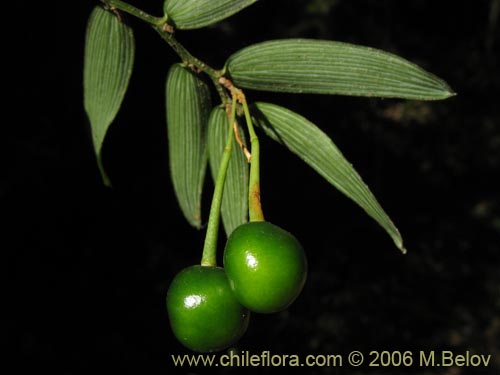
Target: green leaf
(194,14)
(188,107)
(306,140)
(326,67)
(108,63)
(235,197)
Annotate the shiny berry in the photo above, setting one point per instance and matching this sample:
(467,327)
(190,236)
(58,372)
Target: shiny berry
(266,266)
(204,313)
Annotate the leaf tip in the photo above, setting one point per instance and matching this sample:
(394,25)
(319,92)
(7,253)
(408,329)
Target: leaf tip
(447,91)
(398,241)
(451,94)
(195,221)
(107,182)
(105,178)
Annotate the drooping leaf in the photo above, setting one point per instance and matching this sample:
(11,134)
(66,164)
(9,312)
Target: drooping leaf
(188,107)
(108,63)
(326,67)
(234,207)
(194,14)
(313,146)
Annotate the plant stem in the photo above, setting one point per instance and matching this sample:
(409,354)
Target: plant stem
(209,256)
(166,32)
(254,206)
(192,61)
(185,55)
(130,9)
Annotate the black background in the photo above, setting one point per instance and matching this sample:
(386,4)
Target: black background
(88,267)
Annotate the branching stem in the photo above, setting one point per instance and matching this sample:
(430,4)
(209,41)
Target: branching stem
(130,9)
(166,31)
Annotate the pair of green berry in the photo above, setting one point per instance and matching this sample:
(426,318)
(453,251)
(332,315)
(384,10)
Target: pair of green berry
(264,271)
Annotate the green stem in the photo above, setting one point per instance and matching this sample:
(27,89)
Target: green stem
(185,55)
(254,206)
(130,9)
(193,61)
(166,32)
(209,256)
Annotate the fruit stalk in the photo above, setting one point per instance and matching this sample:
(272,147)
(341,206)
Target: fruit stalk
(209,256)
(254,205)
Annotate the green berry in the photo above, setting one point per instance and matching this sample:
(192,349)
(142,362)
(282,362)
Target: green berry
(204,314)
(266,266)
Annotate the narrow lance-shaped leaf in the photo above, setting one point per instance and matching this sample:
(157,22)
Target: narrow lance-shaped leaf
(306,140)
(235,198)
(194,14)
(326,67)
(188,106)
(108,63)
